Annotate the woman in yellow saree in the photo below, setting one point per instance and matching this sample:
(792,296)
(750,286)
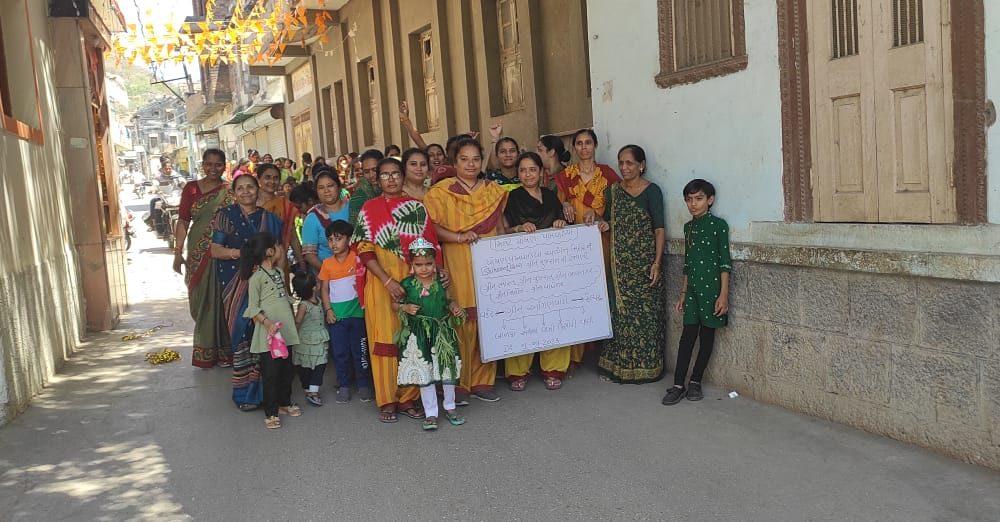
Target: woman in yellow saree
(464,209)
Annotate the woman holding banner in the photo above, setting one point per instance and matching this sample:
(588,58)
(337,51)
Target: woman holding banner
(532,207)
(582,187)
(464,209)
(634,214)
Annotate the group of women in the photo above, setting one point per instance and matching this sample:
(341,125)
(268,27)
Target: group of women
(393,203)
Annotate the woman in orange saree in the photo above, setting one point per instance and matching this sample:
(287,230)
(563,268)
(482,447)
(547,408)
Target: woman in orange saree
(581,187)
(464,209)
(270,179)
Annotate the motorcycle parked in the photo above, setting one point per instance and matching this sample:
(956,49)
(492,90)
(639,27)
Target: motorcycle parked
(139,189)
(165,209)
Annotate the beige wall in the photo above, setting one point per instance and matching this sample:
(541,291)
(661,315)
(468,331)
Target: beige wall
(40,285)
(555,75)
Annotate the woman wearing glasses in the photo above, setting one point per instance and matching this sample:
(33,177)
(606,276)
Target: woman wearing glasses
(386,226)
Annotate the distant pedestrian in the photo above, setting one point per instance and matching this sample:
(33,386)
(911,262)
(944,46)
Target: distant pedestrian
(309,356)
(704,298)
(270,308)
(300,173)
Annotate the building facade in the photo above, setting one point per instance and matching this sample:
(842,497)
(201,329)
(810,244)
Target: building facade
(160,128)
(65,270)
(853,146)
(461,66)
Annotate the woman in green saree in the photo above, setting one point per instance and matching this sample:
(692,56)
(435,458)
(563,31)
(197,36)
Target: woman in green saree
(200,200)
(634,213)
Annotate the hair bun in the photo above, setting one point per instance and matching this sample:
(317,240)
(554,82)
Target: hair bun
(564,156)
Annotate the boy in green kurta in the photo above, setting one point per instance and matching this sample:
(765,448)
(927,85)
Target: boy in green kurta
(704,299)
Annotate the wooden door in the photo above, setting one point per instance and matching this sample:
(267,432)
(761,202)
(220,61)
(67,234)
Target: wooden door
(880,120)
(911,108)
(843,112)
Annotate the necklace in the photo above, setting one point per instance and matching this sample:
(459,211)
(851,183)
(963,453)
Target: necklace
(468,188)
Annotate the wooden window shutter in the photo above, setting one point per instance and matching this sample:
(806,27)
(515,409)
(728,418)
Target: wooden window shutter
(700,39)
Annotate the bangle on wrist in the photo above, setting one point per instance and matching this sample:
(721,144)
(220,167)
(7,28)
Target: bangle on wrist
(386,282)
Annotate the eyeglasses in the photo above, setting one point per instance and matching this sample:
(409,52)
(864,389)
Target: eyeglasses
(390,175)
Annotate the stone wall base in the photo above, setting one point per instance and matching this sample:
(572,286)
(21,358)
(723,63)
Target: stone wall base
(912,358)
(40,326)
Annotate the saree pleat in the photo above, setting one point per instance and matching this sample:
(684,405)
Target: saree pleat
(232,230)
(211,338)
(635,354)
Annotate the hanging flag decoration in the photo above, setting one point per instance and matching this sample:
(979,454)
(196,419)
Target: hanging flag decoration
(258,35)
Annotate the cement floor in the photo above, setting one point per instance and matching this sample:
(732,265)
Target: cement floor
(115,438)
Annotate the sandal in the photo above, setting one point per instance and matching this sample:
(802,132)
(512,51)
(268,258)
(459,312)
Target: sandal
(430,424)
(247,407)
(553,383)
(518,384)
(272,423)
(314,399)
(454,418)
(292,410)
(413,413)
(387,416)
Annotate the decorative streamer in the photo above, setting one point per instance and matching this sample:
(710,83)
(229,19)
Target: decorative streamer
(255,36)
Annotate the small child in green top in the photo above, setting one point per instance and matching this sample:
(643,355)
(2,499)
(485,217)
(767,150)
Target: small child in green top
(427,341)
(704,298)
(270,308)
(309,356)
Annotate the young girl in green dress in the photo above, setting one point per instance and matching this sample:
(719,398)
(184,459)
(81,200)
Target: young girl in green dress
(309,356)
(428,344)
(270,308)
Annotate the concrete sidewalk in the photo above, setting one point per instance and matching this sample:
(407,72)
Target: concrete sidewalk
(116,438)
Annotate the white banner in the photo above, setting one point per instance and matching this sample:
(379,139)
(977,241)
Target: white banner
(540,291)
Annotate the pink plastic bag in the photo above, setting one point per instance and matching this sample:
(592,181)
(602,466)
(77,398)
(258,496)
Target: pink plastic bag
(279,350)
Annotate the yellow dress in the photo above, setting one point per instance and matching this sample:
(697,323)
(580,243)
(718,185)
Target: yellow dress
(382,322)
(584,197)
(451,206)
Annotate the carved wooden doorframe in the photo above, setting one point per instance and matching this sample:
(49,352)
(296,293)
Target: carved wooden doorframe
(969,97)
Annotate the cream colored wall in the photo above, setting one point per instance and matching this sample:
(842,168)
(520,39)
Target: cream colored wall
(993,93)
(42,319)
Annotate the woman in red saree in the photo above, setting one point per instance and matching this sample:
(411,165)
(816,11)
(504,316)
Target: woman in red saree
(200,201)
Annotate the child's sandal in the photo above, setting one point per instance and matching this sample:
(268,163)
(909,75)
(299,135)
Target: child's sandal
(292,410)
(454,418)
(314,399)
(430,424)
(272,423)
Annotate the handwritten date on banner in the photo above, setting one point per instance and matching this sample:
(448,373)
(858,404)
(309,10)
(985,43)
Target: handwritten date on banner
(539,291)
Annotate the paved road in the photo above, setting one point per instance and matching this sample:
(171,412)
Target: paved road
(115,438)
